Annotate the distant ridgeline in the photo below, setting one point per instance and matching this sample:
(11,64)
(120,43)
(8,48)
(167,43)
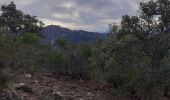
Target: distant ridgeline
(52,33)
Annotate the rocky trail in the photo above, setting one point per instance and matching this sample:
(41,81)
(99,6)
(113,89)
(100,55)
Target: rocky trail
(47,86)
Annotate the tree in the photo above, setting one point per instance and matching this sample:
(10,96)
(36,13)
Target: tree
(157,46)
(135,60)
(129,25)
(159,8)
(12,17)
(16,21)
(32,24)
(113,30)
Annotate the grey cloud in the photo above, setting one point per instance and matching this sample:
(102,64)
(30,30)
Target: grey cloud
(92,15)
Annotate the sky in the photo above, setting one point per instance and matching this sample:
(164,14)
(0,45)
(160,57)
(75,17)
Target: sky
(89,15)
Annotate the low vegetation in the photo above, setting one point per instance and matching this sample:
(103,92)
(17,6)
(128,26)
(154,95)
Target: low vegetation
(133,60)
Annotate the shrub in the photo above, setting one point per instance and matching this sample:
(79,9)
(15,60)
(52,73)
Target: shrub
(85,51)
(8,49)
(31,38)
(34,57)
(72,62)
(58,58)
(26,51)
(76,65)
(122,64)
(58,61)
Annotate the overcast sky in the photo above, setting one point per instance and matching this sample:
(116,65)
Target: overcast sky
(90,15)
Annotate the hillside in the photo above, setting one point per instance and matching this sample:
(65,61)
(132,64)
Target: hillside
(53,32)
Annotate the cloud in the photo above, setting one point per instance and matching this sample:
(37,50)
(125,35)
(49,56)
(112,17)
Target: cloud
(91,15)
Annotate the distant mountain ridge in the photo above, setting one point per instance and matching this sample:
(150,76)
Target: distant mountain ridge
(52,32)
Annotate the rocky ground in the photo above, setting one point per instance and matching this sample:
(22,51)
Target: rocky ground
(47,86)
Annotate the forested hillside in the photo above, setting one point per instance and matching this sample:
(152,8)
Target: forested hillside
(131,63)
(52,32)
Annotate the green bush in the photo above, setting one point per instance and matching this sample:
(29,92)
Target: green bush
(77,57)
(34,57)
(122,64)
(85,52)
(58,58)
(76,66)
(25,50)
(31,38)
(72,62)
(8,49)
(58,61)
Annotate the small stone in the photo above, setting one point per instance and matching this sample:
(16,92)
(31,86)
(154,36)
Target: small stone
(90,94)
(28,75)
(59,96)
(21,84)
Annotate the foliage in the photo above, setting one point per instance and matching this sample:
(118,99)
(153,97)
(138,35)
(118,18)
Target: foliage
(31,38)
(8,49)
(133,60)
(4,59)
(34,57)
(58,58)
(155,8)
(62,43)
(23,51)
(16,21)
(71,60)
